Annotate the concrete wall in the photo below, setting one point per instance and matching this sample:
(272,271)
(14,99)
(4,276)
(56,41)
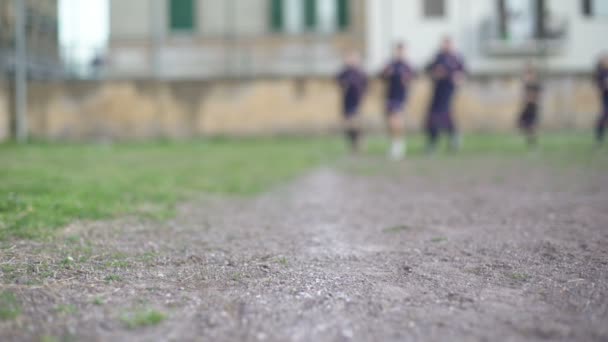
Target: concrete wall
(147,109)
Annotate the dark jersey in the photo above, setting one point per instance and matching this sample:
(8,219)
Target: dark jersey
(353,83)
(397,75)
(532,90)
(601,79)
(444,68)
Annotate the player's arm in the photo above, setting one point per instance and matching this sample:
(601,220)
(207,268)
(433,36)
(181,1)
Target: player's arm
(460,75)
(387,71)
(364,84)
(341,80)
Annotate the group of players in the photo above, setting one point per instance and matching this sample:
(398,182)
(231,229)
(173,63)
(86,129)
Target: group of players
(447,71)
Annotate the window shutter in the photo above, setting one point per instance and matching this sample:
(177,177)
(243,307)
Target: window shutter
(587,8)
(182,14)
(310,14)
(276,15)
(343,14)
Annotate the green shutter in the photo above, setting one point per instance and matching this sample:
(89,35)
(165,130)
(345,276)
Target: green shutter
(182,14)
(343,14)
(310,14)
(276,15)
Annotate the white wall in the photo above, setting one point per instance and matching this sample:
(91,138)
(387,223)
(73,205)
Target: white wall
(130,19)
(391,20)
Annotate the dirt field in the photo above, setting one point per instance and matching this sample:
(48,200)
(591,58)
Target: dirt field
(482,249)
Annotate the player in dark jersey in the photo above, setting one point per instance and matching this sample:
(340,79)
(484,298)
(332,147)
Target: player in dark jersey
(528,119)
(353,83)
(447,71)
(397,75)
(601,79)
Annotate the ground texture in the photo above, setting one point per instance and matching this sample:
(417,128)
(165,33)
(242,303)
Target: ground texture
(487,249)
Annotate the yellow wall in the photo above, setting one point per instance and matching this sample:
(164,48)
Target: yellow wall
(148,109)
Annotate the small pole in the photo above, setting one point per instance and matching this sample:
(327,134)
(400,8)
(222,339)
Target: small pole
(20,65)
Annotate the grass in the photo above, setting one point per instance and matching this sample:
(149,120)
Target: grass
(45,186)
(283,261)
(396,229)
(9,306)
(66,309)
(112,278)
(519,276)
(142,318)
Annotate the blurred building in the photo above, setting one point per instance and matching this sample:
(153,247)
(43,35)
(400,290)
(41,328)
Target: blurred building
(203,38)
(42,37)
(495,36)
(232,38)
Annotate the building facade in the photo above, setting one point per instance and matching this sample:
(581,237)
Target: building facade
(495,36)
(231,38)
(240,38)
(41,34)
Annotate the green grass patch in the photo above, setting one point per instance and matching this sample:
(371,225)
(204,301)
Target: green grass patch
(9,306)
(97,301)
(521,277)
(66,309)
(46,186)
(112,278)
(396,229)
(142,318)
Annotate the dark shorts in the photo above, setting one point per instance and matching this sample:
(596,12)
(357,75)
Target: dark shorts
(529,117)
(394,106)
(440,121)
(350,112)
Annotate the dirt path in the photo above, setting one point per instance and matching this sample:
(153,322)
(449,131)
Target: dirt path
(507,252)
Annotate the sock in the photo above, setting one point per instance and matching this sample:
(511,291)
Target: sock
(397,150)
(353,136)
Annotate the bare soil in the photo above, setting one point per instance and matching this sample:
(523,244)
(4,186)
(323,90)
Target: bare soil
(364,251)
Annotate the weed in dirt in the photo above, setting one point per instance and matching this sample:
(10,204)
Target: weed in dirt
(519,276)
(439,239)
(123,264)
(142,318)
(396,229)
(112,278)
(283,261)
(66,309)
(72,239)
(98,301)
(9,306)
(238,276)
(48,338)
(148,258)
(9,273)
(67,262)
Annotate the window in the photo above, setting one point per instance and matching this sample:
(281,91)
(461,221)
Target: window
(181,15)
(298,16)
(293,16)
(434,8)
(595,8)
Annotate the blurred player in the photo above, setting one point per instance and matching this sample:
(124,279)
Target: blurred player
(601,78)
(528,120)
(447,71)
(353,82)
(397,75)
